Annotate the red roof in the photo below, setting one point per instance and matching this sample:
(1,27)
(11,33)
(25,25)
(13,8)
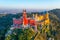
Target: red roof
(32,22)
(17,21)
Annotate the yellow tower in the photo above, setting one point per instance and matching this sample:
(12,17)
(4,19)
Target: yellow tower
(41,17)
(36,16)
(47,21)
(33,16)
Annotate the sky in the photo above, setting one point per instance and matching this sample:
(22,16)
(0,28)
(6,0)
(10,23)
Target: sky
(30,4)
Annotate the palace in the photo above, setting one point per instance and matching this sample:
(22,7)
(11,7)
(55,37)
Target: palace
(25,21)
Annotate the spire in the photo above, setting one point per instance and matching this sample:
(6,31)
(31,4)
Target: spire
(24,13)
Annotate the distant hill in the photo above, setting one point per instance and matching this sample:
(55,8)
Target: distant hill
(55,12)
(2,15)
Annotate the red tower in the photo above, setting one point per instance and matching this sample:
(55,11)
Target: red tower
(25,20)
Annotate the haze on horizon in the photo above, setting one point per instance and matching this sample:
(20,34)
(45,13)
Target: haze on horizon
(30,4)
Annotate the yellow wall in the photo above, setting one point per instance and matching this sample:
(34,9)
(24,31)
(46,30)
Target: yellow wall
(42,17)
